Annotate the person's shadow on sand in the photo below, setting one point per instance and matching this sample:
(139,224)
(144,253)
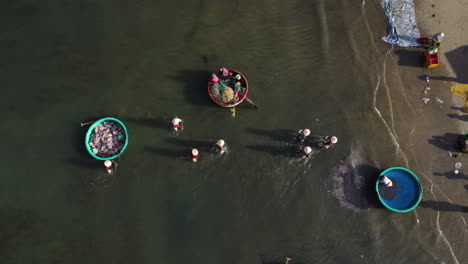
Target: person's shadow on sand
(445,142)
(459,117)
(439,78)
(458,59)
(444,206)
(452,175)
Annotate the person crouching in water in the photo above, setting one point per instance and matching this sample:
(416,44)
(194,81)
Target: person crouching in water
(108,165)
(220,147)
(194,155)
(303,134)
(385,180)
(177,124)
(305,152)
(330,141)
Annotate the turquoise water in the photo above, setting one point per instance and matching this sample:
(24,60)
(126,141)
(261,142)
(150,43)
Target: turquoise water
(316,64)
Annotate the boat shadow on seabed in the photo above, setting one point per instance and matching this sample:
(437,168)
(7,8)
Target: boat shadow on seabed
(80,156)
(194,86)
(354,186)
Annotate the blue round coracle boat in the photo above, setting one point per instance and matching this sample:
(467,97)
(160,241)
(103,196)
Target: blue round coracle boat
(406,192)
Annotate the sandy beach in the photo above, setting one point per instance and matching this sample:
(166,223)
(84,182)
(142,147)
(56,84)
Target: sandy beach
(451,18)
(448,193)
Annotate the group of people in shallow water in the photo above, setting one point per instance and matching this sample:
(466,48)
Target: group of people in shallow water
(306,151)
(220,146)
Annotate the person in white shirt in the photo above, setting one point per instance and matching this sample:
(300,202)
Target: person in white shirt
(385,180)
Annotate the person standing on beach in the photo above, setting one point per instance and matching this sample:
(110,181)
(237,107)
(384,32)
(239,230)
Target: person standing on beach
(438,37)
(302,136)
(177,124)
(434,43)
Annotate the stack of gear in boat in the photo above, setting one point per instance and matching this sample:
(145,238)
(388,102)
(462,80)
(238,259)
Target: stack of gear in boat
(108,139)
(227,87)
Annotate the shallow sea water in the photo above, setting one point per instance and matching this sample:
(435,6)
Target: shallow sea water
(317,64)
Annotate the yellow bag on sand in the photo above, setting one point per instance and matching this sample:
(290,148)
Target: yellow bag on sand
(462,91)
(228,95)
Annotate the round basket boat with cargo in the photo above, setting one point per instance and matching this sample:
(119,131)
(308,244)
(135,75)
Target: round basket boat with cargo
(106,139)
(229,90)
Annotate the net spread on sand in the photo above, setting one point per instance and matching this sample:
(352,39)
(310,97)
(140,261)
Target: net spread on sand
(108,139)
(402,19)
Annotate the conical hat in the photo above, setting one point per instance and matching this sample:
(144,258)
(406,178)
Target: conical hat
(220,143)
(307,150)
(195,152)
(107,163)
(176,120)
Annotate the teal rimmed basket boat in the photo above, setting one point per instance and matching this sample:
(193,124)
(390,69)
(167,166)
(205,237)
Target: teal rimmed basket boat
(91,132)
(404,195)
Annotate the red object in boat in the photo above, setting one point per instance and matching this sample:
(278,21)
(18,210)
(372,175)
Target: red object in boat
(422,40)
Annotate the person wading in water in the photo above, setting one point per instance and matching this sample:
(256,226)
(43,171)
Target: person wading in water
(221,147)
(303,134)
(108,165)
(194,155)
(177,124)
